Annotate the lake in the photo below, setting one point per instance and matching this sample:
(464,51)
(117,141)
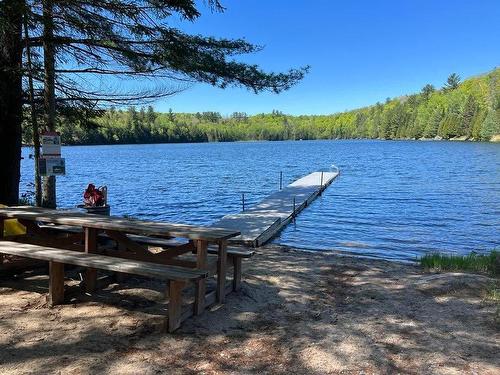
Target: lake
(394,199)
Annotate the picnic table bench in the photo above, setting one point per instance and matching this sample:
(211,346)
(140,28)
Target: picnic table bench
(235,255)
(177,277)
(81,247)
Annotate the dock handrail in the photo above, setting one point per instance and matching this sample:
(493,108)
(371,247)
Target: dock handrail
(331,168)
(334,168)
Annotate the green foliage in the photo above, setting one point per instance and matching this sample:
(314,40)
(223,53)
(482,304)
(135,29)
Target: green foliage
(452,82)
(491,125)
(471,110)
(427,90)
(473,262)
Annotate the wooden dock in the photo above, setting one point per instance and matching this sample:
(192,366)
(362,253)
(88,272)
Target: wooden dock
(262,222)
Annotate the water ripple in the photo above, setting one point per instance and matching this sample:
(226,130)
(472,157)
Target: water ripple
(393,200)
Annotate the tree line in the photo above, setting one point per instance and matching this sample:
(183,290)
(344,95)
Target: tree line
(468,110)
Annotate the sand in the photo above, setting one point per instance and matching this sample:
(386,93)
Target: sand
(297,313)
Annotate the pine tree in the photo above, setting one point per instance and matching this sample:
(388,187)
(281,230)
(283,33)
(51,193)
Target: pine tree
(470,109)
(151,115)
(427,90)
(490,125)
(452,82)
(171,115)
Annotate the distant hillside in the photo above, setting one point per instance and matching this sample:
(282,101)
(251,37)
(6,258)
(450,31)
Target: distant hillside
(469,110)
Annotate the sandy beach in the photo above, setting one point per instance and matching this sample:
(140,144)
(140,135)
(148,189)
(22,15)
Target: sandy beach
(297,312)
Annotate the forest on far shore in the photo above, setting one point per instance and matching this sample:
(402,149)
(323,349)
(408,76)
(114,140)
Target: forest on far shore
(468,110)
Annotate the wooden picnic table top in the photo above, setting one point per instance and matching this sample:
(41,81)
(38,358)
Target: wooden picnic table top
(116,223)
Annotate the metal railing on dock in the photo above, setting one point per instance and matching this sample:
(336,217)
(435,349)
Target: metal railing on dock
(265,219)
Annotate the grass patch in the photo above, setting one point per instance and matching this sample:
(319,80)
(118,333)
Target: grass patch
(493,295)
(473,262)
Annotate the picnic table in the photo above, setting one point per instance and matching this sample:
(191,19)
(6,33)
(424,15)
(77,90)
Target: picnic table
(84,231)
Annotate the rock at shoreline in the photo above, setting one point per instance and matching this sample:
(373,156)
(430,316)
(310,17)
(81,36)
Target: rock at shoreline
(461,138)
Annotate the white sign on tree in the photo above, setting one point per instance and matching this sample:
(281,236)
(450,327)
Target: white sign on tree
(51,163)
(51,145)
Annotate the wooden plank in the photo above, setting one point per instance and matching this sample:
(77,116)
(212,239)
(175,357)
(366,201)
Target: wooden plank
(200,287)
(90,240)
(175,305)
(159,258)
(235,252)
(61,228)
(103,262)
(127,225)
(262,222)
(221,271)
(46,241)
(56,283)
(154,241)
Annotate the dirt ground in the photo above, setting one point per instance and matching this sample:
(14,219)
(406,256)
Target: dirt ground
(297,312)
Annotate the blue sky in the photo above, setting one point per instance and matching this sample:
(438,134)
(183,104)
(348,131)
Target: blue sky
(360,52)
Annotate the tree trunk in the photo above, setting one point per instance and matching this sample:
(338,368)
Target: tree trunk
(34,120)
(10,99)
(49,183)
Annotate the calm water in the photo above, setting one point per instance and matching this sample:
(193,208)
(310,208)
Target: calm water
(394,200)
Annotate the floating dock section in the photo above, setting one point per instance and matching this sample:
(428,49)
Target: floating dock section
(262,222)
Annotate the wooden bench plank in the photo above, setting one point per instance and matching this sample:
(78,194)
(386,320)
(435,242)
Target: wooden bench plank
(234,252)
(61,228)
(153,241)
(102,262)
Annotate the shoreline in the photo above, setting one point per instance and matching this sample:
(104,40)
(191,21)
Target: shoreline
(495,139)
(315,313)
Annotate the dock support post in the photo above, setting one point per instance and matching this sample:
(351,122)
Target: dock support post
(281,180)
(321,184)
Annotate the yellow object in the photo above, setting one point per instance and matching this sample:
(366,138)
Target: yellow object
(12,227)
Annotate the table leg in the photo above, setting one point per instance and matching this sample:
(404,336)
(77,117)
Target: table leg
(236,273)
(175,304)
(90,247)
(201,263)
(221,272)
(56,283)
